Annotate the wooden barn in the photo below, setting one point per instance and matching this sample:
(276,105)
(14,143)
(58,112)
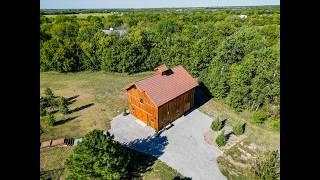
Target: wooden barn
(161,98)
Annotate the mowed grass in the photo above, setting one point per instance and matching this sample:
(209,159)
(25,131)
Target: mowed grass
(98,95)
(85,15)
(101,89)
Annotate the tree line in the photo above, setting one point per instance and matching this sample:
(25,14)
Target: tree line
(237,59)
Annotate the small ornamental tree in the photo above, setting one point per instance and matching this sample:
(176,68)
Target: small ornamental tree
(50,120)
(217,124)
(267,166)
(239,128)
(221,140)
(259,117)
(43,110)
(62,104)
(48,92)
(61,101)
(64,109)
(98,156)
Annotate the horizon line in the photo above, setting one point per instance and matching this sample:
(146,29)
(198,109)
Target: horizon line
(164,7)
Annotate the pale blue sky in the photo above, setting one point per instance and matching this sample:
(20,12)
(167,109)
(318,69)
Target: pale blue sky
(100,4)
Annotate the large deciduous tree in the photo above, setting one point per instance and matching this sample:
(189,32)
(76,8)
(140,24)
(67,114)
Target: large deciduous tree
(98,156)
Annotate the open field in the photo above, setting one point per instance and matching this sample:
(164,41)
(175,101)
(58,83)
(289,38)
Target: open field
(96,98)
(85,15)
(103,91)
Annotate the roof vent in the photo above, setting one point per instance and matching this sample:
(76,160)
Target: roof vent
(162,69)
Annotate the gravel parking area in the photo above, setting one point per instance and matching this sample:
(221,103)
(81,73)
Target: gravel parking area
(182,146)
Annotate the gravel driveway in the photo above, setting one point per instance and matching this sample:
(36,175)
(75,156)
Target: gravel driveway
(182,146)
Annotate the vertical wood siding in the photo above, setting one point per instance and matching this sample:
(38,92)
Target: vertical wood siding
(158,117)
(146,111)
(175,108)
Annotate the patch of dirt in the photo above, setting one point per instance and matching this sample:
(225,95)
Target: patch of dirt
(209,137)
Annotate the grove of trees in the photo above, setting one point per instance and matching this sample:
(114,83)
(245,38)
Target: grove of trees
(237,59)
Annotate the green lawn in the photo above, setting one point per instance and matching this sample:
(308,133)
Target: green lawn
(103,90)
(100,90)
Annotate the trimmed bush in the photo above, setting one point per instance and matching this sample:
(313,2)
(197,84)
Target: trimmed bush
(48,92)
(64,109)
(217,124)
(259,117)
(238,128)
(50,120)
(221,140)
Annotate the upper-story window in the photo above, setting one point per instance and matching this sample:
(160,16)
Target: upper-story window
(141,101)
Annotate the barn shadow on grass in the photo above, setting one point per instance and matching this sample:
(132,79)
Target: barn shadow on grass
(140,150)
(201,96)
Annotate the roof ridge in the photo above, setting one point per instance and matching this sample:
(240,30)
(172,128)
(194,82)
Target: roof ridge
(145,78)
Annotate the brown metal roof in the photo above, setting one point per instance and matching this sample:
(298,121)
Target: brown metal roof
(163,88)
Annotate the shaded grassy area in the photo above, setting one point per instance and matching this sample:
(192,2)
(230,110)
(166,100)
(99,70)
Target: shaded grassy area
(143,166)
(103,91)
(150,168)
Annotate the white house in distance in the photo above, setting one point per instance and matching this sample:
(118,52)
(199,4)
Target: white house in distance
(120,31)
(242,16)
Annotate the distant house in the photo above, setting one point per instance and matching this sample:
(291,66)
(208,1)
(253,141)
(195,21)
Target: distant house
(243,16)
(160,99)
(120,31)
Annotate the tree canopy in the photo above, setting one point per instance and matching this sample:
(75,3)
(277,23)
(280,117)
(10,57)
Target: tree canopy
(237,59)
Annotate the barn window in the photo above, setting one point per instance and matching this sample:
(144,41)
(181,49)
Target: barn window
(141,101)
